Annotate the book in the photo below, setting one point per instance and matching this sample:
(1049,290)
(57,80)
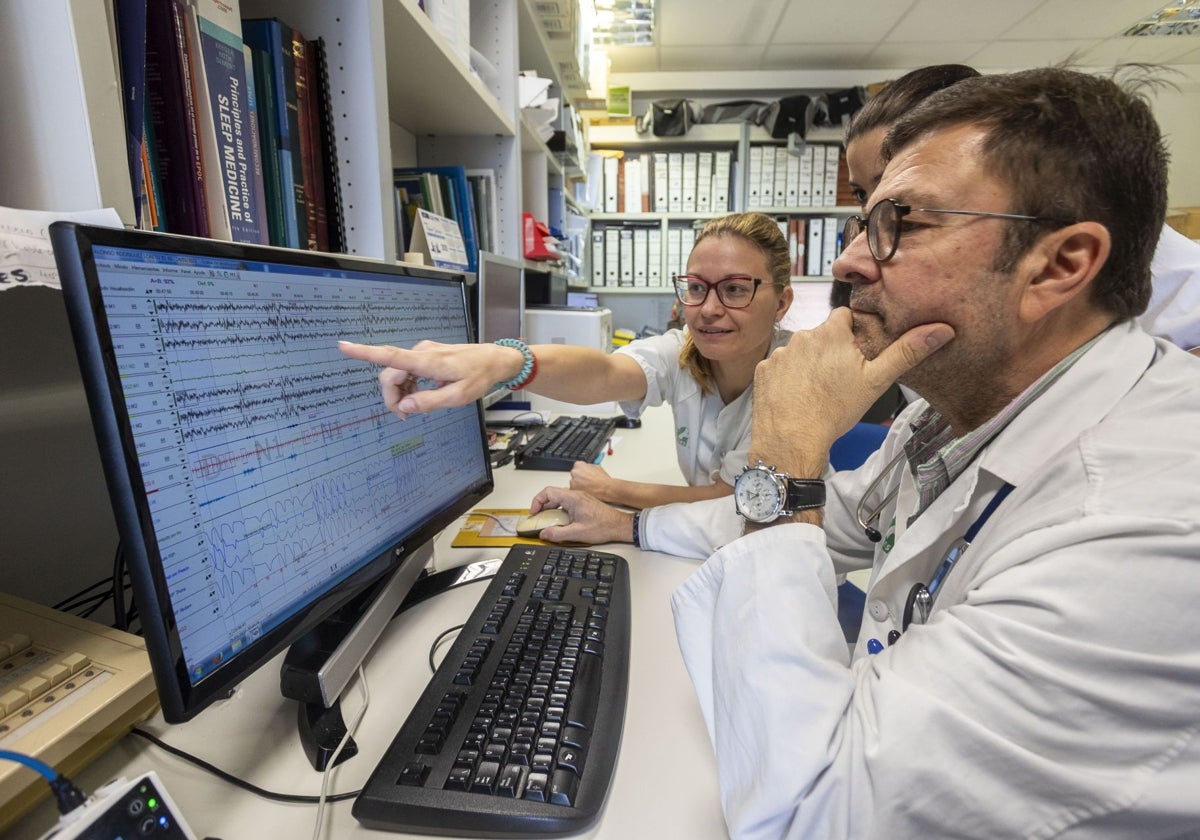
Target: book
(265,37)
(204,121)
(318,89)
(303,145)
(171,124)
(487,215)
(130,17)
(458,202)
(257,176)
(268,144)
(334,217)
(226,83)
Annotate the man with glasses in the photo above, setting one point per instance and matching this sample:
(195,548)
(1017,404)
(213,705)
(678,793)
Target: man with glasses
(1027,665)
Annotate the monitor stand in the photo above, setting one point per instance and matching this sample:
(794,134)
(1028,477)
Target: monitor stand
(318,666)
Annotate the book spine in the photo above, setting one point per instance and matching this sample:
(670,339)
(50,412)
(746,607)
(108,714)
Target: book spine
(266,35)
(291,116)
(203,124)
(257,177)
(333,186)
(225,71)
(316,145)
(304,137)
(268,128)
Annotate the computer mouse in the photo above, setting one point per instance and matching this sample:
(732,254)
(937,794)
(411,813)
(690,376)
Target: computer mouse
(624,422)
(531,526)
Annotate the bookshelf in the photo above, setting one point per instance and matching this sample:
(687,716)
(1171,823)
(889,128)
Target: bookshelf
(401,96)
(740,143)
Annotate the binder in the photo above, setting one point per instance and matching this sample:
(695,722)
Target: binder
(689,182)
(754,200)
(597,256)
(644,169)
(831,174)
(687,239)
(818,174)
(791,190)
(659,197)
(612,255)
(812,251)
(674,237)
(654,257)
(722,170)
(781,163)
(626,256)
(674,182)
(797,243)
(766,184)
(611,174)
(633,186)
(704,177)
(804,181)
(641,257)
(829,244)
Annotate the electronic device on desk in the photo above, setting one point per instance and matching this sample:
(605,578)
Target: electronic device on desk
(264,496)
(68,689)
(566,440)
(498,307)
(122,808)
(517,733)
(584,327)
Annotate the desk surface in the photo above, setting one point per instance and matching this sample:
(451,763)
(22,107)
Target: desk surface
(665,783)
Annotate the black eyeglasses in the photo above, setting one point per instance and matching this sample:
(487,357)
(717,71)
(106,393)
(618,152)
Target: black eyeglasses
(883,225)
(733,292)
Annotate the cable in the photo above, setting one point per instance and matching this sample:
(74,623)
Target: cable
(66,793)
(333,759)
(499,522)
(441,638)
(241,783)
(120,617)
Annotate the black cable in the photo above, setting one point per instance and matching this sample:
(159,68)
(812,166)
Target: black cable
(120,617)
(436,642)
(66,604)
(241,783)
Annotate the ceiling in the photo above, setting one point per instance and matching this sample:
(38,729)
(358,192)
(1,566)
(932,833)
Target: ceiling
(883,35)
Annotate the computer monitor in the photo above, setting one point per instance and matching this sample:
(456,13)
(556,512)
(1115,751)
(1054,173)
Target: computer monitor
(499,305)
(258,482)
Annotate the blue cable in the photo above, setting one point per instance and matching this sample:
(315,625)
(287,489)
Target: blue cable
(67,794)
(32,763)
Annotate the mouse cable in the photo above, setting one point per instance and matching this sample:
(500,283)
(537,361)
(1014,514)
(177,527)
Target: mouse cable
(241,783)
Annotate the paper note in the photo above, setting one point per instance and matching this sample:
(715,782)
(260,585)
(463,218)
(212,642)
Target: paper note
(26,257)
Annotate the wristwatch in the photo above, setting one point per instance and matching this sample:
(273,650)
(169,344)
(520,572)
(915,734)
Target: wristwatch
(763,495)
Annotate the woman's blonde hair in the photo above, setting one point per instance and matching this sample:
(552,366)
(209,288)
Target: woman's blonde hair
(762,232)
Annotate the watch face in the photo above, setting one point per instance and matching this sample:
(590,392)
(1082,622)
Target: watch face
(757,495)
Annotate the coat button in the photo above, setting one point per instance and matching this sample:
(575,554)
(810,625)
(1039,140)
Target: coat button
(878,610)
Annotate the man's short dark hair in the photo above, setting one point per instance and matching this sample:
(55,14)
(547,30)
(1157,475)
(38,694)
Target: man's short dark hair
(1072,146)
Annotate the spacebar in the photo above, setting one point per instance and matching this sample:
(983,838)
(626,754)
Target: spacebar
(585,692)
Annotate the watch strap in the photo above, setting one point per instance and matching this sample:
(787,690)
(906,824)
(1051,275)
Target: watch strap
(803,494)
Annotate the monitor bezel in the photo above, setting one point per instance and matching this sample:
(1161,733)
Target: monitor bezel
(179,698)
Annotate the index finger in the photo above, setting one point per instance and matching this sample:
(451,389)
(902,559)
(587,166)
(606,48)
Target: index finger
(380,354)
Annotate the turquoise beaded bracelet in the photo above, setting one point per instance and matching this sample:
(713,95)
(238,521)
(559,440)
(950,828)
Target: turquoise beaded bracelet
(528,370)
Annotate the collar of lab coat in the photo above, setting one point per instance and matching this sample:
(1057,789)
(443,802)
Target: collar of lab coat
(1080,399)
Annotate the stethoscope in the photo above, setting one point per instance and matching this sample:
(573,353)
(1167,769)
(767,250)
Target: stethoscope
(865,522)
(919,604)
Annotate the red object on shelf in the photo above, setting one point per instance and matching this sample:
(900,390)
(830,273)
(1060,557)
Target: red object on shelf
(535,234)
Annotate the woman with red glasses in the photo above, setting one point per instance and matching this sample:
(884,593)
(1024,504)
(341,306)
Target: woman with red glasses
(736,290)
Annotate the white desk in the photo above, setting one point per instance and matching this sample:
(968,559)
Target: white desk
(665,782)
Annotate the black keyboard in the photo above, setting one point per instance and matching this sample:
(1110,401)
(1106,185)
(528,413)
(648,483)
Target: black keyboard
(566,440)
(518,731)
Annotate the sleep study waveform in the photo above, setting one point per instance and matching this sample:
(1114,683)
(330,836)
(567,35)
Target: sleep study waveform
(268,462)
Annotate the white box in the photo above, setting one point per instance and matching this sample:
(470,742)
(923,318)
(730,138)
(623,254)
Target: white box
(582,326)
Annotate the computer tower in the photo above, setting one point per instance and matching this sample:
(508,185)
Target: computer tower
(582,326)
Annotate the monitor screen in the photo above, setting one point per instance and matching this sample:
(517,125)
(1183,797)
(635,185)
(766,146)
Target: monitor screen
(499,296)
(500,293)
(257,480)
